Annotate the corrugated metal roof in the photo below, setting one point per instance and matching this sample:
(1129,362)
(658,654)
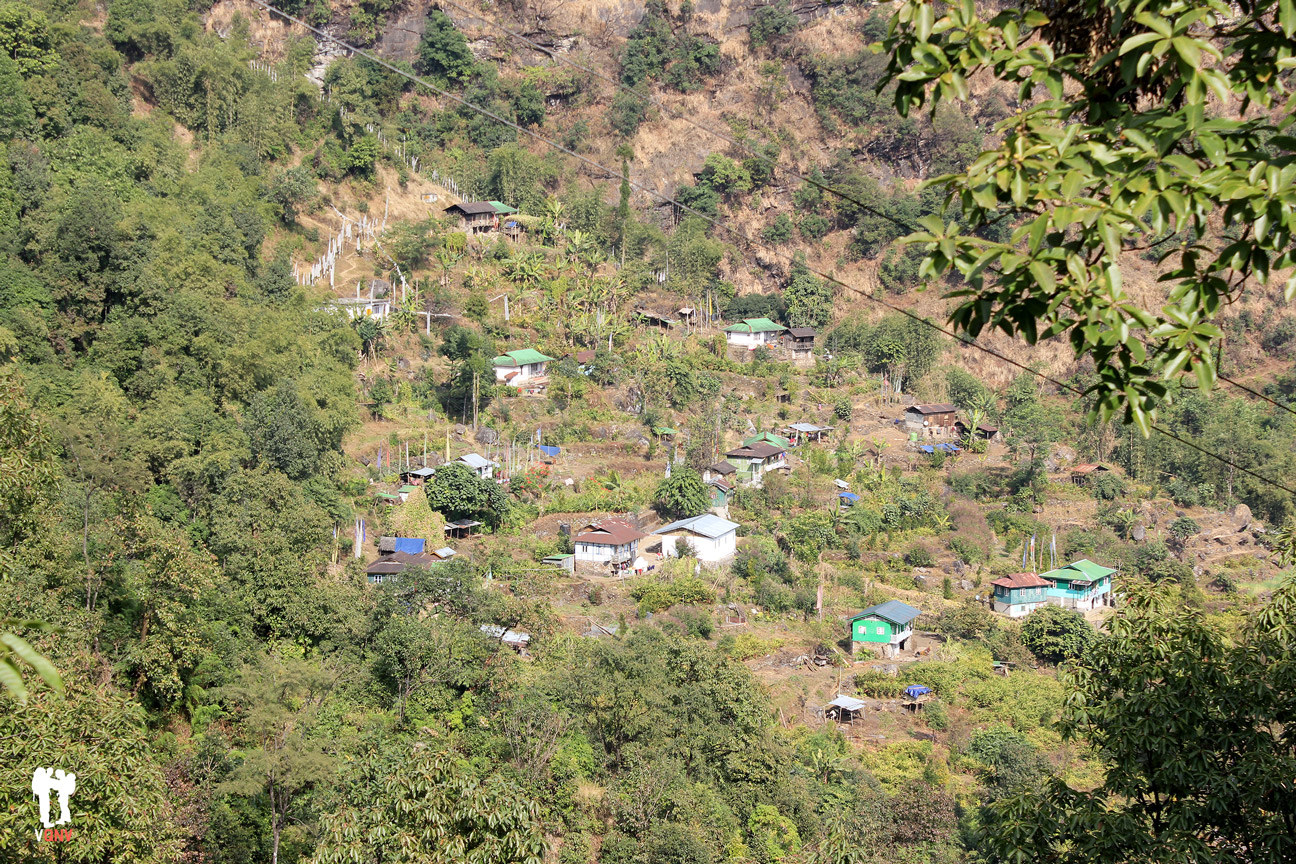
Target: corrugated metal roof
(707,525)
(1021,580)
(943,408)
(759,450)
(850,703)
(521,357)
(609,532)
(892,610)
(472,460)
(754,325)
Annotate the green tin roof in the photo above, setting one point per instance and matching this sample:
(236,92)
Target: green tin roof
(664,430)
(1083,569)
(407,488)
(501,208)
(769,438)
(521,357)
(754,325)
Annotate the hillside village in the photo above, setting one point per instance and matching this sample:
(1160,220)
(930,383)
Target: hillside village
(522,433)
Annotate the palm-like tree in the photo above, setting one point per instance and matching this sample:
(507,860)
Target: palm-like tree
(1283,541)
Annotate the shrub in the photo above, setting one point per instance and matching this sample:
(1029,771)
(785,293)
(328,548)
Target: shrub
(967,551)
(772,23)
(1183,528)
(1107,487)
(779,231)
(1054,634)
(879,685)
(919,556)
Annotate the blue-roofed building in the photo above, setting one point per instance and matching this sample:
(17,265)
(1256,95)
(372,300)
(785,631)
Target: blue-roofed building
(713,539)
(887,624)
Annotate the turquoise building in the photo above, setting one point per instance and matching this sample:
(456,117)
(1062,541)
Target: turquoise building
(1019,594)
(1081,585)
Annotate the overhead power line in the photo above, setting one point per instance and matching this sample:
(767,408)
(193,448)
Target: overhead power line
(750,150)
(738,233)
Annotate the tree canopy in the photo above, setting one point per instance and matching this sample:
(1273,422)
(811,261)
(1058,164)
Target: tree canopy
(1132,130)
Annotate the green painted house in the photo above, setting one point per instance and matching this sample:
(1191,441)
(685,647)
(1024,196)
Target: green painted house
(1081,585)
(889,623)
(1018,594)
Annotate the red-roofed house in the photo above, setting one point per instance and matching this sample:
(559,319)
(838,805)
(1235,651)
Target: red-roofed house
(608,541)
(1019,594)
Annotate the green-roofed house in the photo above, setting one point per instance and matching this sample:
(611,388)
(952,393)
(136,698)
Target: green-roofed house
(753,333)
(521,368)
(404,492)
(887,625)
(1081,585)
(502,209)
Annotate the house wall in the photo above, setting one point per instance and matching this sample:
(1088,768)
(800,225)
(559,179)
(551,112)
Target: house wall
(603,552)
(753,340)
(871,630)
(709,550)
(1017,602)
(1079,598)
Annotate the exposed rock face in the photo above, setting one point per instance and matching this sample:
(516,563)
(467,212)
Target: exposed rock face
(1241,516)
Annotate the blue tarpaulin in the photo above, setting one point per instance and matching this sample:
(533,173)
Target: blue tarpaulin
(926,448)
(549,450)
(949,448)
(409,545)
(913,691)
(848,496)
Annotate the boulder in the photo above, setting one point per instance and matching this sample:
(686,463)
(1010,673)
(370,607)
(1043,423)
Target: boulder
(965,585)
(460,429)
(1241,516)
(486,435)
(1139,533)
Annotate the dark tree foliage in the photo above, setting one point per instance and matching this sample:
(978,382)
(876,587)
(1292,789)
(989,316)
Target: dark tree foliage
(443,51)
(1054,634)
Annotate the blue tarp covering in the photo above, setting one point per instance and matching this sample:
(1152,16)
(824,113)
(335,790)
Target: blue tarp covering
(409,545)
(549,450)
(926,448)
(949,448)
(913,691)
(848,496)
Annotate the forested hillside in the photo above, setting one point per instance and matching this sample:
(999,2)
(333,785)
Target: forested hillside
(243,298)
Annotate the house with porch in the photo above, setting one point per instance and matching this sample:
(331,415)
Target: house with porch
(417,476)
(1081,585)
(799,343)
(612,542)
(753,333)
(754,461)
(1018,594)
(802,433)
(479,217)
(888,626)
(521,368)
(714,540)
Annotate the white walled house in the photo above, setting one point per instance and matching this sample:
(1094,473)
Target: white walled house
(713,539)
(481,466)
(521,367)
(609,541)
(754,333)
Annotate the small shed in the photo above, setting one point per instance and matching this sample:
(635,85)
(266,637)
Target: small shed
(1082,474)
(461,528)
(718,471)
(844,709)
(984,431)
(930,417)
(800,340)
(566,562)
(417,476)
(405,491)
(916,696)
(802,432)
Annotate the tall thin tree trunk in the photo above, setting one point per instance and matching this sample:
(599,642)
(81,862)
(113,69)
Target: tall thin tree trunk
(85,548)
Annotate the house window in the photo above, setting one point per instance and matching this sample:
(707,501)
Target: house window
(881,631)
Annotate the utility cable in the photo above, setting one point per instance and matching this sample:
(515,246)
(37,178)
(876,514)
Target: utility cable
(738,233)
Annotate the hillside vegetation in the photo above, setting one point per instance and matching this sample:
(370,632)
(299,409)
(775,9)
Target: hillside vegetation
(203,437)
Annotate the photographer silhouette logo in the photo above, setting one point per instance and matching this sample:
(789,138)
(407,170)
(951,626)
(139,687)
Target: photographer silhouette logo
(46,781)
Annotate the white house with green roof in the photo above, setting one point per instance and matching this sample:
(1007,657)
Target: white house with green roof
(520,368)
(754,333)
(1081,585)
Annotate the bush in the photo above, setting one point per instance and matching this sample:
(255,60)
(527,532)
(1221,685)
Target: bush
(967,551)
(1107,487)
(879,685)
(772,23)
(1054,634)
(779,231)
(1183,528)
(843,410)
(629,109)
(919,556)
